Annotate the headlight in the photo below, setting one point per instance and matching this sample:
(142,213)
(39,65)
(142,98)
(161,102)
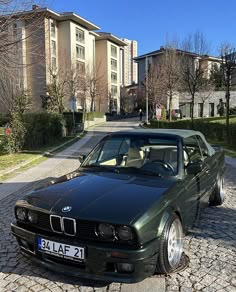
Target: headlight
(21,214)
(106,230)
(32,217)
(125,233)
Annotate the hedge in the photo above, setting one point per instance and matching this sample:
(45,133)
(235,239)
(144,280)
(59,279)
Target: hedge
(42,129)
(4,119)
(212,130)
(90,116)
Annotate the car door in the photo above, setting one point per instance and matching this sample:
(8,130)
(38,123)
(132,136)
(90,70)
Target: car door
(211,172)
(195,185)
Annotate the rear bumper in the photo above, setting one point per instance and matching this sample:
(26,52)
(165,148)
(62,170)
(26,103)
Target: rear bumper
(101,261)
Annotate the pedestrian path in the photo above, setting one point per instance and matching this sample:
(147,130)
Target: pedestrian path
(35,173)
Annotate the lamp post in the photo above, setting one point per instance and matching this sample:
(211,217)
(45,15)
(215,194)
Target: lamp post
(146,72)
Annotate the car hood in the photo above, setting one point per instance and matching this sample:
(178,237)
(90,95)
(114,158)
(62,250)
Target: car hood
(107,197)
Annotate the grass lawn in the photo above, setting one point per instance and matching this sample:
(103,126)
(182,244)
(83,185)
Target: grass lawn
(10,161)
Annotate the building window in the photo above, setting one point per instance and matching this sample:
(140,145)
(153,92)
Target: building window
(14,29)
(53,48)
(79,34)
(113,90)
(80,52)
(200,110)
(211,109)
(113,64)
(53,30)
(80,67)
(114,51)
(113,77)
(54,64)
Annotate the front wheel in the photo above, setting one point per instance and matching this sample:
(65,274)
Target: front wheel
(171,246)
(217,197)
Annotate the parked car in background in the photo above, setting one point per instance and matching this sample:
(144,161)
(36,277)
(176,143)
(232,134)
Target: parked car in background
(122,215)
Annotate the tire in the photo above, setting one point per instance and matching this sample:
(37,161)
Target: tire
(217,196)
(171,246)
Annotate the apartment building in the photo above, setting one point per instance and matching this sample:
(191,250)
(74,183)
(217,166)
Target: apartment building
(52,43)
(129,68)
(108,62)
(205,102)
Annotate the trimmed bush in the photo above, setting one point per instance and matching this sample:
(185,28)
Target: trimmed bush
(209,127)
(90,116)
(4,119)
(42,129)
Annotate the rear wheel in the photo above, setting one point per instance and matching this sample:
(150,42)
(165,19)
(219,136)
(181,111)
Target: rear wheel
(217,197)
(171,246)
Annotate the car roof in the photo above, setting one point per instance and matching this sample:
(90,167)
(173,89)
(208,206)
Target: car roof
(170,132)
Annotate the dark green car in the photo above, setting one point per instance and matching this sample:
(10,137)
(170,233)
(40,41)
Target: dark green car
(122,215)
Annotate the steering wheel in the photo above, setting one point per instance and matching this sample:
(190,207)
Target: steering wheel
(165,164)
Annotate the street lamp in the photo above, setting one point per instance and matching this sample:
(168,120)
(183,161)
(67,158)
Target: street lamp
(146,72)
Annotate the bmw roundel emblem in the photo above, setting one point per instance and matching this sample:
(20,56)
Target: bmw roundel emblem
(66,209)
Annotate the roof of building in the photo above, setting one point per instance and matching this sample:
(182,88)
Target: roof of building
(60,17)
(110,37)
(163,49)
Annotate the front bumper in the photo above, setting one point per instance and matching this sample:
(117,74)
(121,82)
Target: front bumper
(101,261)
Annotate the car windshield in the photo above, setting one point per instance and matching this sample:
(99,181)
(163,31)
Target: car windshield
(153,155)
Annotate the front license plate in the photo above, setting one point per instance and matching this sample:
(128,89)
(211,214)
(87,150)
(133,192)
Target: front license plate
(61,250)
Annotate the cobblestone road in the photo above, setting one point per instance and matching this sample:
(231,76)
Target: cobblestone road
(211,247)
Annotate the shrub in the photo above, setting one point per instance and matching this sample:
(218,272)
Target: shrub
(209,127)
(4,119)
(90,116)
(42,129)
(15,134)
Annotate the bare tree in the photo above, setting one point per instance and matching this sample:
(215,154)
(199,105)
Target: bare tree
(228,65)
(95,85)
(193,75)
(19,24)
(171,73)
(154,83)
(13,97)
(54,100)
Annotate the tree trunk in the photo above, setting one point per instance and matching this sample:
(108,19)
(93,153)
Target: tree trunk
(192,111)
(170,106)
(227,96)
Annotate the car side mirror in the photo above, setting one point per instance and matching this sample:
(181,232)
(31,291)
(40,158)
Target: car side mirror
(194,167)
(82,158)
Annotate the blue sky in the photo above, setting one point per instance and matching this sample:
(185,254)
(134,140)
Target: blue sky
(151,22)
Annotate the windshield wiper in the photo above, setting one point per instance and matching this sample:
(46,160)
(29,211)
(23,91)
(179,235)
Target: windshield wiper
(107,168)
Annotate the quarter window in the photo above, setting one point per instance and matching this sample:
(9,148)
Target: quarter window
(203,146)
(192,148)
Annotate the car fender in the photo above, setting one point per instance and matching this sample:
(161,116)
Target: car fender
(165,216)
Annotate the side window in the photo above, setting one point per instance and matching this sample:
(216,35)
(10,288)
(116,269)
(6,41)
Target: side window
(192,148)
(203,147)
